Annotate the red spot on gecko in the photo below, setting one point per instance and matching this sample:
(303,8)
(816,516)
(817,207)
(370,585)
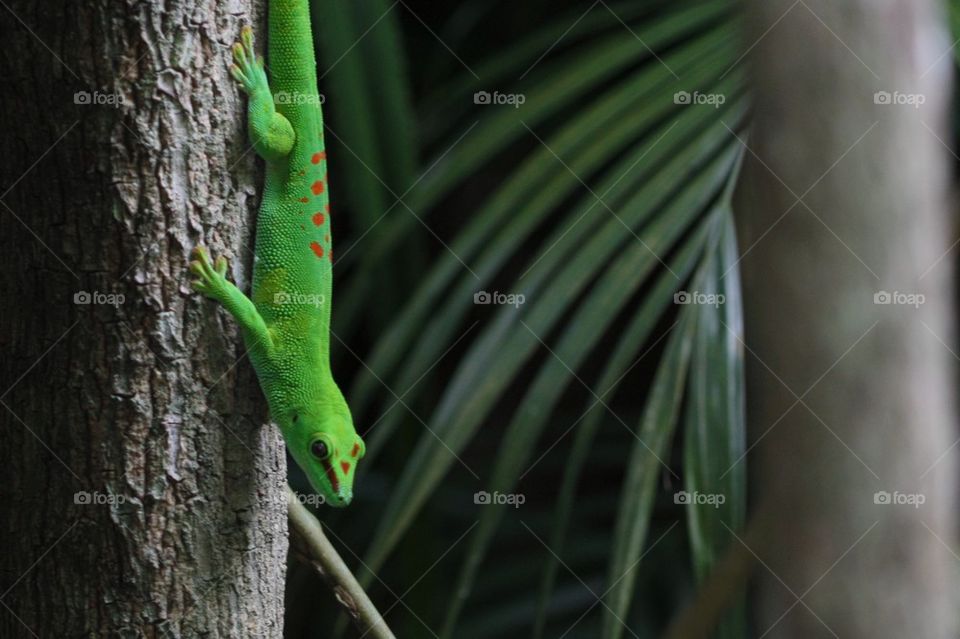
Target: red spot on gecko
(332,476)
(355,451)
(330,255)
(322,155)
(326,238)
(317,249)
(317,187)
(345,465)
(326,207)
(304,200)
(318,219)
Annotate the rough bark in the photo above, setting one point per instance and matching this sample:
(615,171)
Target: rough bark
(875,412)
(144,405)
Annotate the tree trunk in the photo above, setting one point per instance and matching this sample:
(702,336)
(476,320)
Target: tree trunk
(849,318)
(141,494)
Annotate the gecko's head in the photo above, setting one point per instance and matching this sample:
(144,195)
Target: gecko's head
(325,445)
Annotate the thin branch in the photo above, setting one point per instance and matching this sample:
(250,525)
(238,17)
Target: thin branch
(316,550)
(726,583)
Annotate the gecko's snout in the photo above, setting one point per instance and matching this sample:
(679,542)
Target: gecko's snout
(344,497)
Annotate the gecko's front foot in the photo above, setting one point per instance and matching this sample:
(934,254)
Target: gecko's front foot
(212,281)
(211,276)
(247,67)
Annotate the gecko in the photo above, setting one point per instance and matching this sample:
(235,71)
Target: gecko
(285,323)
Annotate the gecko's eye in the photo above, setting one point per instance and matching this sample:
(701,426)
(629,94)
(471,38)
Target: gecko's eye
(319,449)
(296,416)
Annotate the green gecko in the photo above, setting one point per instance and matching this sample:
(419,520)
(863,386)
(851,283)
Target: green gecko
(286,321)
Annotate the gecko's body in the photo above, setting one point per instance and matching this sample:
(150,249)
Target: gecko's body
(286,324)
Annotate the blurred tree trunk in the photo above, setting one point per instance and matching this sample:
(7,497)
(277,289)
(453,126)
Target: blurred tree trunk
(140,495)
(851,401)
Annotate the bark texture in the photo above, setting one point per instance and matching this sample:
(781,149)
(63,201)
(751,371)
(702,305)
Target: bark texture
(141,494)
(850,380)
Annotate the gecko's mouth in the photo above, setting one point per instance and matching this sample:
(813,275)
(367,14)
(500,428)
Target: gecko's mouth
(343,495)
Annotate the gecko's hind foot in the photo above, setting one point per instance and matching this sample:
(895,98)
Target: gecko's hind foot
(247,67)
(211,276)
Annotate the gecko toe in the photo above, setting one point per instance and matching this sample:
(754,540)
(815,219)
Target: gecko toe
(239,56)
(246,36)
(238,75)
(247,68)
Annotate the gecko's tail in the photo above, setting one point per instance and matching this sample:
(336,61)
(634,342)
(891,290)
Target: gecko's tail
(291,57)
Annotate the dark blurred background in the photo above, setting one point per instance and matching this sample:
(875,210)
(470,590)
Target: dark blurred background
(597,195)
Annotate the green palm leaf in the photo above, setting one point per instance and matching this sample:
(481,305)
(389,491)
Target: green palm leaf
(551,88)
(540,184)
(715,429)
(611,195)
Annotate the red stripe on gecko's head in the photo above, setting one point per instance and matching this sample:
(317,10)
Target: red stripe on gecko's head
(356,449)
(345,465)
(332,476)
(317,249)
(317,187)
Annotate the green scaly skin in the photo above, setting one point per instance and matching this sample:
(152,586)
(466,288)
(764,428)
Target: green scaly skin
(286,324)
